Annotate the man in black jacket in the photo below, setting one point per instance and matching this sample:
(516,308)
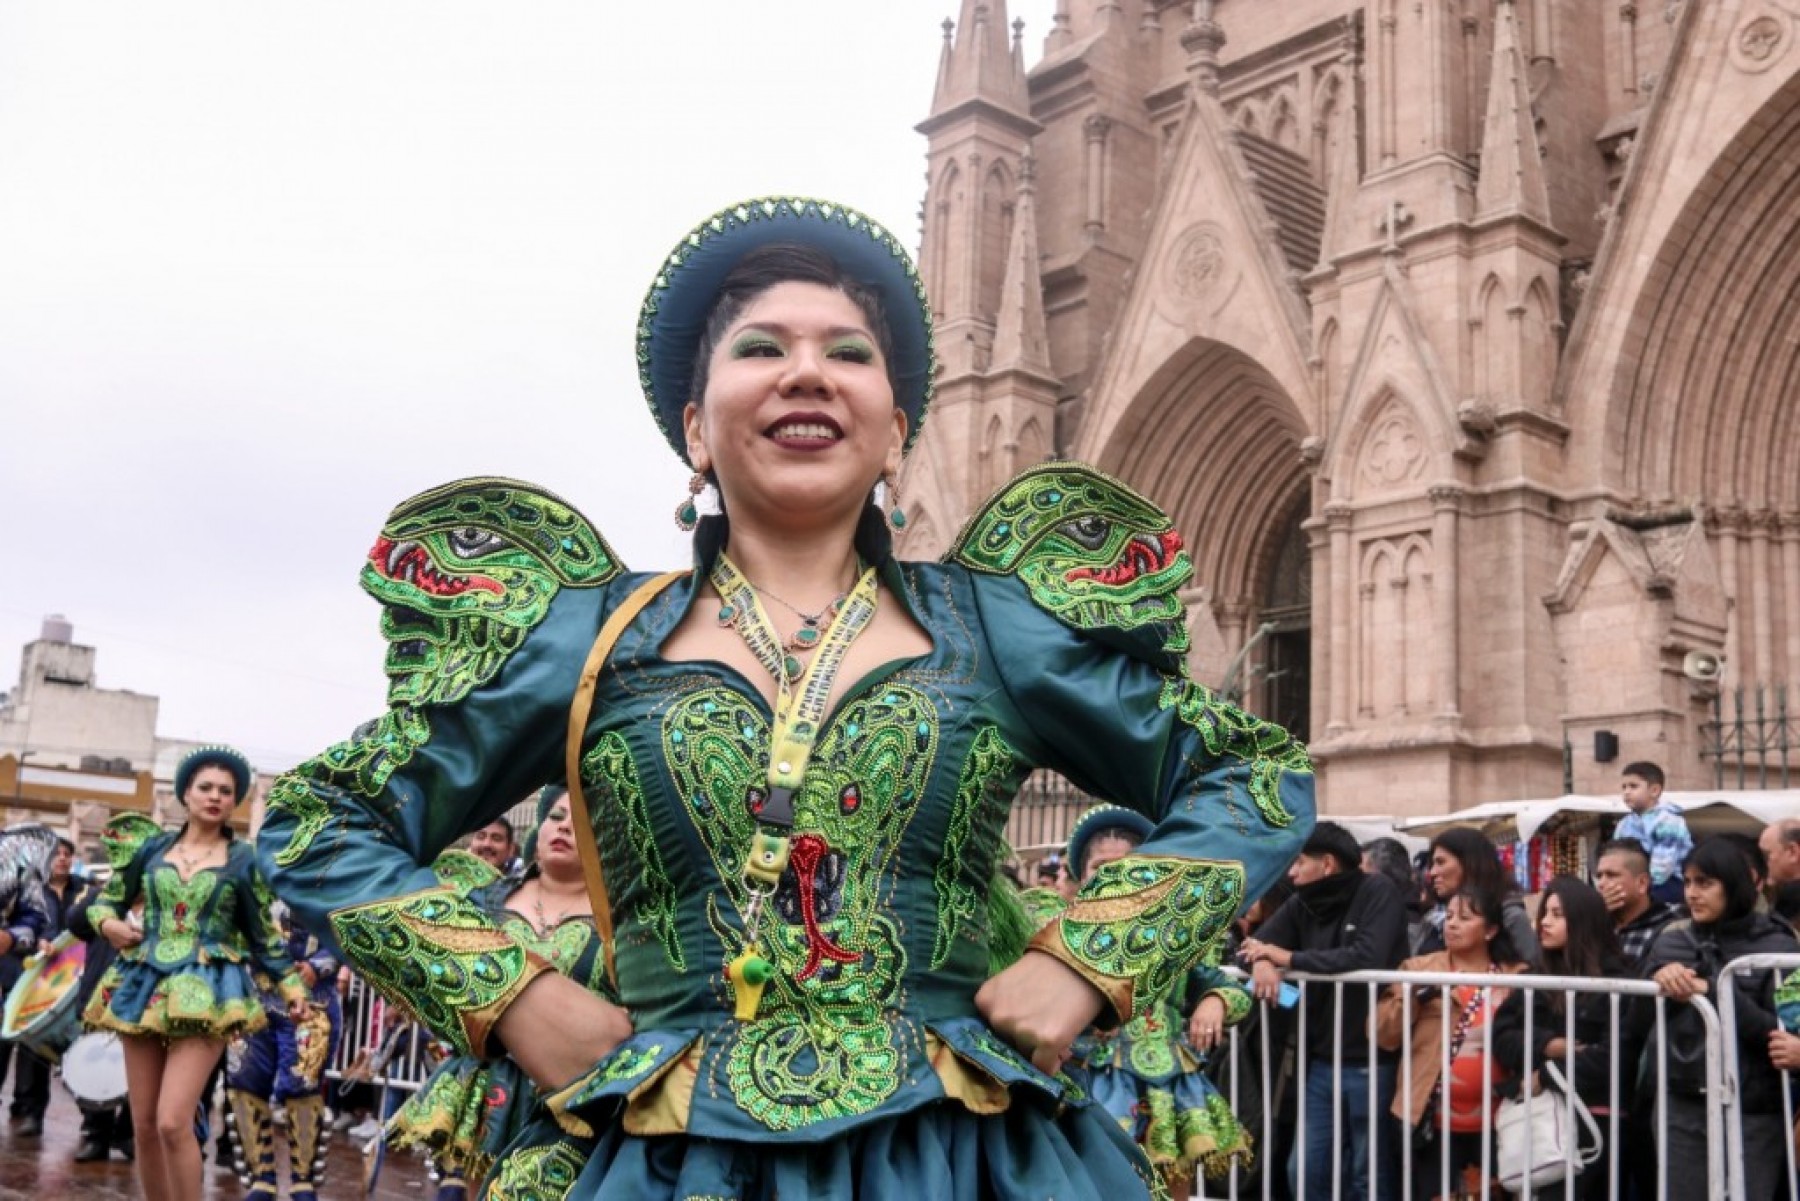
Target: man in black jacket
(1338,920)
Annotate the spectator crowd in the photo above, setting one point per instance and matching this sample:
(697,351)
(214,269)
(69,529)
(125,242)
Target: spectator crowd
(1383,1083)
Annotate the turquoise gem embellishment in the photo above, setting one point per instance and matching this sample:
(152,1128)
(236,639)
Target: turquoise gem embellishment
(806,635)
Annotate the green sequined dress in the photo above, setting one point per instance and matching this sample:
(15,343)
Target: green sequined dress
(1058,641)
(470,1108)
(205,938)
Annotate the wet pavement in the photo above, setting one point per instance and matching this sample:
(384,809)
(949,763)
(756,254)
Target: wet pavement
(44,1169)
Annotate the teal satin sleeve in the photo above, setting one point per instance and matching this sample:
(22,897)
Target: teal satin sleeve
(1112,708)
(350,834)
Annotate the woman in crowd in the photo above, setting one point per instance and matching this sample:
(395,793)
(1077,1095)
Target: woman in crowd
(1685,962)
(1142,1071)
(182,986)
(1462,858)
(798,758)
(1449,1113)
(470,1109)
(1576,937)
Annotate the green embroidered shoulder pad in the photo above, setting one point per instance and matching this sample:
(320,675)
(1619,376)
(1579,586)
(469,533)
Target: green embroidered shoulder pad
(465,571)
(465,872)
(1089,550)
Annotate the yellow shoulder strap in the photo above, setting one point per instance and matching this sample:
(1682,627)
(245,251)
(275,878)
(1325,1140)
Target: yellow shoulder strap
(578,719)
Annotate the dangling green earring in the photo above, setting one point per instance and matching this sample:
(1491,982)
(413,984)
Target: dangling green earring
(687,513)
(896,516)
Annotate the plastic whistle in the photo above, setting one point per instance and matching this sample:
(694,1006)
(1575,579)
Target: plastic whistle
(748,973)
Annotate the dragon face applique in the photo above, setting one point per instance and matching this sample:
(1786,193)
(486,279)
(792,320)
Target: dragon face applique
(465,572)
(1090,550)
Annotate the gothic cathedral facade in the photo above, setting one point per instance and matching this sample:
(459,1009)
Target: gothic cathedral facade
(1461,337)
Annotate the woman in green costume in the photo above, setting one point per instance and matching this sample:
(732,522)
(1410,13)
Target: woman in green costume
(182,986)
(470,1108)
(796,761)
(1144,1072)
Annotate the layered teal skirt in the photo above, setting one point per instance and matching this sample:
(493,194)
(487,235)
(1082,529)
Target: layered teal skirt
(939,1152)
(216,1000)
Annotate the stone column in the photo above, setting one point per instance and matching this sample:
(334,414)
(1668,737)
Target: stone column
(1446,516)
(1790,562)
(1343,607)
(1727,523)
(1386,131)
(1762,594)
(1095,129)
(1628,47)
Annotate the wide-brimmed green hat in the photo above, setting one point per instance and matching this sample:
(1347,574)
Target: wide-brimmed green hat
(673,318)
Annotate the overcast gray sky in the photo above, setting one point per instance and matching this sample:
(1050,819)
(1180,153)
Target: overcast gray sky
(266,270)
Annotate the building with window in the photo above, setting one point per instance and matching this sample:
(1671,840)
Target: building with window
(1461,338)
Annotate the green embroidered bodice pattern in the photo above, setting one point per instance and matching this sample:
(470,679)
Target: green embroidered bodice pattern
(822,1044)
(1056,641)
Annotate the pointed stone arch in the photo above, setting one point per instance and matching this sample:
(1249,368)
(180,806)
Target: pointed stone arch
(1213,438)
(1331,366)
(1284,123)
(999,192)
(946,194)
(996,461)
(1392,629)
(1540,343)
(1493,365)
(1332,113)
(1034,445)
(1702,407)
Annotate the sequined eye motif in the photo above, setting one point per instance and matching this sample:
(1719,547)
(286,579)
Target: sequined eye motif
(1091,531)
(469,542)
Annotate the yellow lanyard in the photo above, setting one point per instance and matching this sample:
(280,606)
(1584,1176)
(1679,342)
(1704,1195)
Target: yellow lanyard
(800,699)
(800,696)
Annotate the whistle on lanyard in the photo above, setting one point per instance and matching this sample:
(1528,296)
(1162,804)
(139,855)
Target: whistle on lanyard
(748,974)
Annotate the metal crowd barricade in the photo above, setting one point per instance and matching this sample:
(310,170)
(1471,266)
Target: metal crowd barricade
(366,1029)
(1623,993)
(1781,966)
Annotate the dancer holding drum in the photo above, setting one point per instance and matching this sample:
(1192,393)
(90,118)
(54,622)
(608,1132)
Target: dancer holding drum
(183,984)
(62,892)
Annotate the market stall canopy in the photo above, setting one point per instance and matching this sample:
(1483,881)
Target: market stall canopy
(1706,813)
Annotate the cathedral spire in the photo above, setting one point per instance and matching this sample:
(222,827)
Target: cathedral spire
(979,64)
(1021,339)
(1512,169)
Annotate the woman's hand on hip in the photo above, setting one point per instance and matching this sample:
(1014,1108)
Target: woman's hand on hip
(1040,1005)
(556,1030)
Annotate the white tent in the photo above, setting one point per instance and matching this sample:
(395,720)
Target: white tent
(1706,813)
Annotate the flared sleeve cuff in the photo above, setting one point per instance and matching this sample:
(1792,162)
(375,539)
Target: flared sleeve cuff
(1142,924)
(437,955)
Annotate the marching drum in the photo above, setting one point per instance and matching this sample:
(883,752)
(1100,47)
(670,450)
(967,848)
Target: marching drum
(40,1011)
(93,1070)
